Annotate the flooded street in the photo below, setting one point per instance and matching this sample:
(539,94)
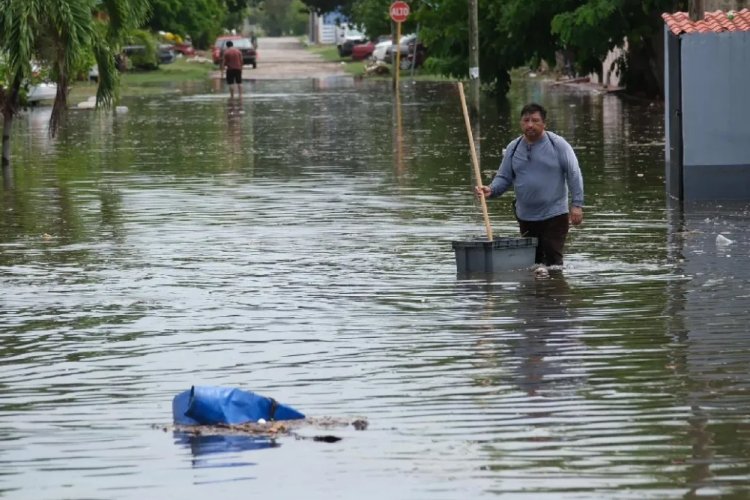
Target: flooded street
(298,244)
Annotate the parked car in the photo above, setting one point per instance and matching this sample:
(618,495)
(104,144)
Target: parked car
(378,54)
(45,91)
(185,48)
(362,51)
(365,50)
(166,54)
(346,38)
(249,54)
(408,53)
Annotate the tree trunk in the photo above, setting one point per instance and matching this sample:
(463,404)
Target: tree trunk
(7,126)
(61,102)
(695,10)
(10,107)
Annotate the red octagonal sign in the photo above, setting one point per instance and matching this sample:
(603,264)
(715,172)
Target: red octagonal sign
(399,11)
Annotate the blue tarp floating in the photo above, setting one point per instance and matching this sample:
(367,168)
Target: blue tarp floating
(211,405)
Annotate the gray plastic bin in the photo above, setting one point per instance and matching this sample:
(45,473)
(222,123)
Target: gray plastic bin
(500,254)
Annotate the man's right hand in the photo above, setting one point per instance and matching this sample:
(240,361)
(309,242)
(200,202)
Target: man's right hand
(479,190)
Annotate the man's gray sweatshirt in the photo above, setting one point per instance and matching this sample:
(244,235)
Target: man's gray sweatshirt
(541,174)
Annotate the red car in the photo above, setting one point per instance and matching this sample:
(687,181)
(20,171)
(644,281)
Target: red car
(186,49)
(249,54)
(362,51)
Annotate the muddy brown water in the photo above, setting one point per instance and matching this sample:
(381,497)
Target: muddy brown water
(298,245)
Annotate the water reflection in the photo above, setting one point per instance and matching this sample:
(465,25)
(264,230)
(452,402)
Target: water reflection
(707,338)
(530,342)
(204,448)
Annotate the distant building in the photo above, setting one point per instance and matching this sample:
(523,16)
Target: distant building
(707,76)
(323,27)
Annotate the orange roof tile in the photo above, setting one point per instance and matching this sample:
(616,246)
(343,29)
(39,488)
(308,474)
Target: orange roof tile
(712,22)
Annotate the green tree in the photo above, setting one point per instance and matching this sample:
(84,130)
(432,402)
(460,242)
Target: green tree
(200,19)
(59,35)
(595,27)
(511,33)
(374,17)
(323,6)
(280,17)
(514,32)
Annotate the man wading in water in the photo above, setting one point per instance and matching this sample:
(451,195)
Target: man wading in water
(232,60)
(541,167)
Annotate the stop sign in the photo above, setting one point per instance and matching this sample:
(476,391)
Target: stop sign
(399,11)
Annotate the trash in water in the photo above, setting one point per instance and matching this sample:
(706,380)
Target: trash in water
(722,240)
(212,405)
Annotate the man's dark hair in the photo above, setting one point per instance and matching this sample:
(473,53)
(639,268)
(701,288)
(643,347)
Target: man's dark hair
(532,108)
(229,43)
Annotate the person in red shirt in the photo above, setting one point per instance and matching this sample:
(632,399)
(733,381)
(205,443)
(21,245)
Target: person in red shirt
(232,61)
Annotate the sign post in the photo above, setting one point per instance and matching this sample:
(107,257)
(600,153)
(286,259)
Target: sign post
(399,13)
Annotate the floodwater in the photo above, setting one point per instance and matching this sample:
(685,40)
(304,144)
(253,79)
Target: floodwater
(299,245)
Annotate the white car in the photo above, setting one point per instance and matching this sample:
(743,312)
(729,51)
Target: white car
(381,48)
(42,92)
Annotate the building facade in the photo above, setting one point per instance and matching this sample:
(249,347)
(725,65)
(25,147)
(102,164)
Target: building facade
(707,76)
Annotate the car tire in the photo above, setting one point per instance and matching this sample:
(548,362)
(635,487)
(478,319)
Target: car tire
(255,64)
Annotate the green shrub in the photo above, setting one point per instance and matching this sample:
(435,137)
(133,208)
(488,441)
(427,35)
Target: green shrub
(141,51)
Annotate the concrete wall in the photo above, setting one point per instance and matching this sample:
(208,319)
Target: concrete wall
(715,76)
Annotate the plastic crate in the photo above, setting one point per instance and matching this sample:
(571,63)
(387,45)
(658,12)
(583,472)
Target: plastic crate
(500,254)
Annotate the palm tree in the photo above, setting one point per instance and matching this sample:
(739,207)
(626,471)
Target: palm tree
(57,33)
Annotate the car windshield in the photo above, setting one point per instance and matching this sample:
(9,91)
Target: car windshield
(242,43)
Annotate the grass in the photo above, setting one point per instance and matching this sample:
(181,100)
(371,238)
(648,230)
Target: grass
(179,71)
(330,53)
(144,82)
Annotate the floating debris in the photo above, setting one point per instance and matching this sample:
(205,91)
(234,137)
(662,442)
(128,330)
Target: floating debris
(722,240)
(272,430)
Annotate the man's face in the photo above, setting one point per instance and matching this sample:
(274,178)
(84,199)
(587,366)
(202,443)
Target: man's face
(532,125)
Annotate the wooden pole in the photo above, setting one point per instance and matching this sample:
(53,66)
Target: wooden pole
(397,61)
(475,161)
(474,57)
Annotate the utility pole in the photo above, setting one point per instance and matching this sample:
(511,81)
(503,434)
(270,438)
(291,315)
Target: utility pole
(695,10)
(474,57)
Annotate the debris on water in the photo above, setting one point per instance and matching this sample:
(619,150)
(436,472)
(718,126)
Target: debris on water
(326,439)
(272,429)
(722,240)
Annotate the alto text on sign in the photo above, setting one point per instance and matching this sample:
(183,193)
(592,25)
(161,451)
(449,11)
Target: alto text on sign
(399,11)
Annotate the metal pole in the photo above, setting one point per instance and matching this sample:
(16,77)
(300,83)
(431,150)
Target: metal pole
(394,44)
(414,52)
(474,57)
(397,62)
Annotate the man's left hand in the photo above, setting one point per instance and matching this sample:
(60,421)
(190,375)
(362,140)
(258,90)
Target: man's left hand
(576,215)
